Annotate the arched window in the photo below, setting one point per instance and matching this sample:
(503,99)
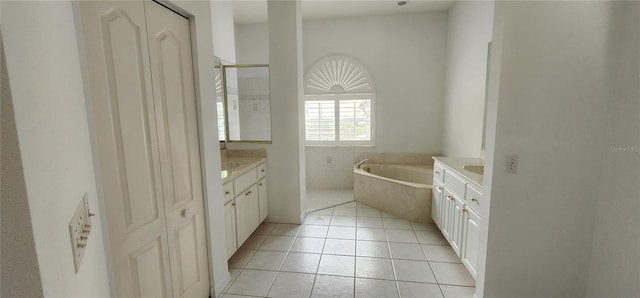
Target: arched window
(339,104)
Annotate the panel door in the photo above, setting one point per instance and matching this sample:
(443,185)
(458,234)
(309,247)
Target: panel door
(471,241)
(127,147)
(254,208)
(169,40)
(242,218)
(262,197)
(456,225)
(447,213)
(436,203)
(230,227)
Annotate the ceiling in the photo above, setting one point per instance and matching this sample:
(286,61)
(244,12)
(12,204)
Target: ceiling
(255,11)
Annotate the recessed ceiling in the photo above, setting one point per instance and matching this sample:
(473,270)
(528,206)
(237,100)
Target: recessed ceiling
(255,11)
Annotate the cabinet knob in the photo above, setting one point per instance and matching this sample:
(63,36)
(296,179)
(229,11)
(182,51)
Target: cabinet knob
(262,170)
(233,204)
(260,184)
(464,209)
(227,192)
(473,199)
(248,193)
(437,173)
(183,213)
(440,187)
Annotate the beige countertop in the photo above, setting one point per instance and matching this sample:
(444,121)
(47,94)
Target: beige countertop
(233,167)
(458,163)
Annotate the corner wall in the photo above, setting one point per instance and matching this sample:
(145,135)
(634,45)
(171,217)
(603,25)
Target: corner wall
(52,128)
(549,108)
(615,255)
(470,29)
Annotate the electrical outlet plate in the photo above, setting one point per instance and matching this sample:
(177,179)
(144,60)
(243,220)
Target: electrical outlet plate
(79,229)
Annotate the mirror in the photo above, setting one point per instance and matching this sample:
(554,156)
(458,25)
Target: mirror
(217,71)
(246,107)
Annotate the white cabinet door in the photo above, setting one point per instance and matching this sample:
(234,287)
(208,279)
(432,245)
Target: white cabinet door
(230,227)
(471,240)
(262,197)
(247,214)
(455,234)
(447,213)
(436,203)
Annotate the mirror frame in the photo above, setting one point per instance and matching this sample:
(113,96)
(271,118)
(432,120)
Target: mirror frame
(226,107)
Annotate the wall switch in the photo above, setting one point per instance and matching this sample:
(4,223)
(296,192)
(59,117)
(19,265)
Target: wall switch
(79,229)
(512,164)
(329,159)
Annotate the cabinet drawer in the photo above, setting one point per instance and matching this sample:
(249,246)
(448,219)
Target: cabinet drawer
(244,181)
(227,189)
(438,172)
(473,197)
(455,184)
(262,170)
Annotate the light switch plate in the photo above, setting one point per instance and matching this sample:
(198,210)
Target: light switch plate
(79,229)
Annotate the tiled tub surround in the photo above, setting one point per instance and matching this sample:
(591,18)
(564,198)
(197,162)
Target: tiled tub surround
(351,250)
(399,189)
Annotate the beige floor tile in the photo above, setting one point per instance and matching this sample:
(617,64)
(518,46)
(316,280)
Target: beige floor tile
(452,274)
(457,291)
(322,220)
(337,265)
(266,260)
(374,268)
(369,212)
(405,236)
(416,271)
(376,249)
(307,244)
(264,228)
(431,237)
(253,283)
(341,232)
(241,258)
(254,241)
(344,211)
(407,251)
(340,247)
(370,222)
(343,221)
(396,223)
(327,286)
(367,288)
(281,243)
(292,285)
(440,253)
(371,234)
(285,230)
(301,262)
(313,231)
(419,290)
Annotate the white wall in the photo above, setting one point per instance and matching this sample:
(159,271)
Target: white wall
(224,45)
(406,58)
(46,82)
(615,256)
(547,105)
(469,31)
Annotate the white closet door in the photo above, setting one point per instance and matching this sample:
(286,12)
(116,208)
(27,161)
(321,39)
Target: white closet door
(123,112)
(175,107)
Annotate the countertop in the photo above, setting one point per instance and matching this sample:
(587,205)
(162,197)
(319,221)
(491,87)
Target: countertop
(233,167)
(458,163)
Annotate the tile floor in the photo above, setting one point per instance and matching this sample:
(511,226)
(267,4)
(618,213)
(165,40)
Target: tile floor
(351,250)
(319,198)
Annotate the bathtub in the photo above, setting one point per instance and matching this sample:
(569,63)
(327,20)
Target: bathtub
(400,190)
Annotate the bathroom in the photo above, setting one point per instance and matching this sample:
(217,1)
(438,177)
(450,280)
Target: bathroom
(557,117)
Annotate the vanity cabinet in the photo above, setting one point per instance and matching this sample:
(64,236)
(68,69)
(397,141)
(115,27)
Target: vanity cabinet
(246,205)
(230,227)
(456,209)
